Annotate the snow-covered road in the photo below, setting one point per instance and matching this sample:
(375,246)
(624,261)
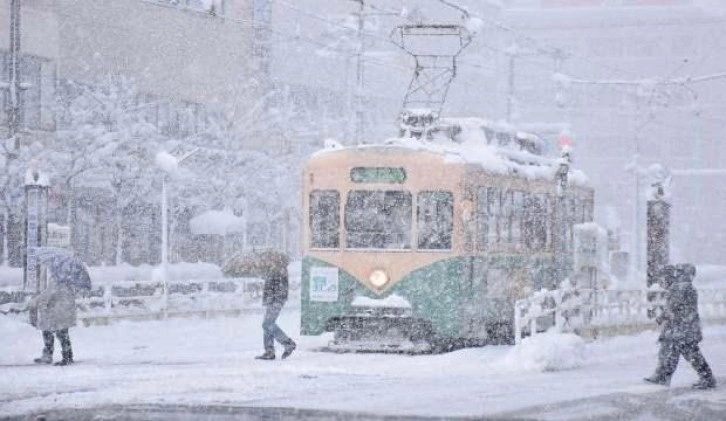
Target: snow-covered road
(188,362)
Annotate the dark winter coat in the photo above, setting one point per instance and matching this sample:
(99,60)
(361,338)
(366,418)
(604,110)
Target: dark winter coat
(54,308)
(681,322)
(275,289)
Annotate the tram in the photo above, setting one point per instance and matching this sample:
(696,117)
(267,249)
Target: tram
(422,245)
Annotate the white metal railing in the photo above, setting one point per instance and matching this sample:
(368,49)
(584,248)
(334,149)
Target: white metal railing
(148,300)
(577,310)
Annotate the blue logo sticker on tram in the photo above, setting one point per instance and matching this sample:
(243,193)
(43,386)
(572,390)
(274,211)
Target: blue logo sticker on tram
(323,284)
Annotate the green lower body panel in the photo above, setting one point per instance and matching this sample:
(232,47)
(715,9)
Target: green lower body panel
(461,298)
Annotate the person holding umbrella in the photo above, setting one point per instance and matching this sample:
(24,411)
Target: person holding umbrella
(272,267)
(53,311)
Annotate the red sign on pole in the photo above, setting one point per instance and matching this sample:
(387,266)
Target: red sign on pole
(565,141)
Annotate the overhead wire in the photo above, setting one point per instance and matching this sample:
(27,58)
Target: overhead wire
(372,35)
(530,59)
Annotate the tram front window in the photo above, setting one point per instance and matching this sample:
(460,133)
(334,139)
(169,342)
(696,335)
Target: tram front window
(378,219)
(324,217)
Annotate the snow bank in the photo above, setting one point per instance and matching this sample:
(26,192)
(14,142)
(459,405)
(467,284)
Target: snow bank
(548,351)
(217,222)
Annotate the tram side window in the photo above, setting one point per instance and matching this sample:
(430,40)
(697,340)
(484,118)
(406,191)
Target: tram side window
(516,218)
(378,219)
(507,218)
(572,217)
(494,211)
(588,211)
(325,219)
(536,217)
(482,218)
(435,220)
(549,205)
(488,217)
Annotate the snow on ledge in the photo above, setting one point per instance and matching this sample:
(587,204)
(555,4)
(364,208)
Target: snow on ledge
(392,301)
(167,162)
(35,178)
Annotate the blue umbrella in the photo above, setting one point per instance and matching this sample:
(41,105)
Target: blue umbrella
(65,268)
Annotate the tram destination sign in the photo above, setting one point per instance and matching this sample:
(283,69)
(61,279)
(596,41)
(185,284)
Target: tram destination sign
(378,175)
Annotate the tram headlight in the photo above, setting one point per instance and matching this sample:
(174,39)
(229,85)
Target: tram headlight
(378,278)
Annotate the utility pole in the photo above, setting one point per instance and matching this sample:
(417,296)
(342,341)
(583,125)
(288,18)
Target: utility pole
(14,72)
(559,58)
(510,87)
(359,75)
(11,145)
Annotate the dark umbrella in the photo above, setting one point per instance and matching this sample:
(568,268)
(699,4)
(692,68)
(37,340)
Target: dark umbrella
(65,268)
(259,263)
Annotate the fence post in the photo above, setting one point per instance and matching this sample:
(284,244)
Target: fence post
(165,300)
(205,298)
(518,322)
(107,300)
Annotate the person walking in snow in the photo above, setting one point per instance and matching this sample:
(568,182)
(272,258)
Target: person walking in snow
(681,328)
(53,312)
(274,295)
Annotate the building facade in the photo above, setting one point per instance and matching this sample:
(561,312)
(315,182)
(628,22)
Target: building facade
(184,59)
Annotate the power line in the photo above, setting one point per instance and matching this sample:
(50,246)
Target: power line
(304,39)
(640,82)
(330,21)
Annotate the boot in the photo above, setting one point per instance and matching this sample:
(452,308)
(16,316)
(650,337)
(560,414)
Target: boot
(705,383)
(268,355)
(288,349)
(67,359)
(46,358)
(657,380)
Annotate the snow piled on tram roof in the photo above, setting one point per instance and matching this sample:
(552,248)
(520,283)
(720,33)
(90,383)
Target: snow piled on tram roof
(475,150)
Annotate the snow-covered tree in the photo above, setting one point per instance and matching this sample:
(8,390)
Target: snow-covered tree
(105,139)
(248,180)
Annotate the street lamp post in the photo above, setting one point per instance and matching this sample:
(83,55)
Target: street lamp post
(169,164)
(36,217)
